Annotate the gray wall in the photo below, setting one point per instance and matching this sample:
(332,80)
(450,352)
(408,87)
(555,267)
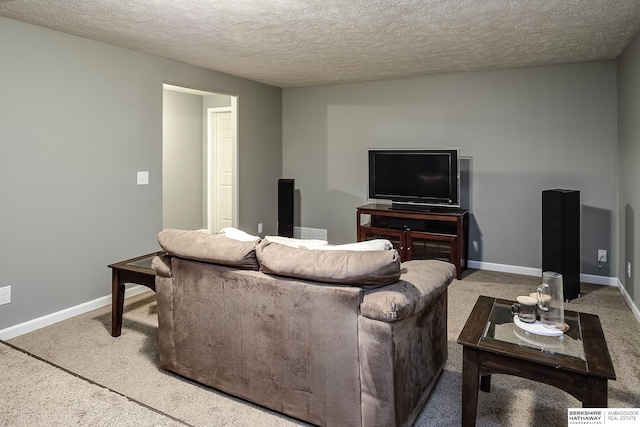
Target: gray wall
(215,101)
(78,118)
(182,161)
(628,166)
(520,131)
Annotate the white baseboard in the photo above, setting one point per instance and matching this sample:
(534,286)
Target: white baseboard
(530,271)
(50,319)
(527,271)
(630,302)
(586,278)
(599,280)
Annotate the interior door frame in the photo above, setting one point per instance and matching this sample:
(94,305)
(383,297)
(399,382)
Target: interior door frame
(211,161)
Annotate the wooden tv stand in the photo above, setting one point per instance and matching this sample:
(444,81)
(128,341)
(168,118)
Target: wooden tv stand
(432,233)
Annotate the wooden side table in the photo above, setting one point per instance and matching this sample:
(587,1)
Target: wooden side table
(577,363)
(135,270)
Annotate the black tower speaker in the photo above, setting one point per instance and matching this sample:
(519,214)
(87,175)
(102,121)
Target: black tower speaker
(285,207)
(561,237)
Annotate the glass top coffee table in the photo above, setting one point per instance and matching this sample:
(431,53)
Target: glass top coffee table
(135,270)
(577,362)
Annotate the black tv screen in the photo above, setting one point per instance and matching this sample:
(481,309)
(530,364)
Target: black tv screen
(423,176)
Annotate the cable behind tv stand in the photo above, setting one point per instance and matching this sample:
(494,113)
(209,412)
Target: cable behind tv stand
(419,233)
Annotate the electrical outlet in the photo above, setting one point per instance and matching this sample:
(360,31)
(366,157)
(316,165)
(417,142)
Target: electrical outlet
(143,178)
(602,255)
(260,228)
(629,269)
(5,295)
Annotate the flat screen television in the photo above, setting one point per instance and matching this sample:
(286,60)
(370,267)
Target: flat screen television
(415,177)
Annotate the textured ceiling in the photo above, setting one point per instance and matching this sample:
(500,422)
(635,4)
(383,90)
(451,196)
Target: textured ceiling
(291,43)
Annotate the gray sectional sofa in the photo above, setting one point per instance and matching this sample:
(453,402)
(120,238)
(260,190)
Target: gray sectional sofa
(337,338)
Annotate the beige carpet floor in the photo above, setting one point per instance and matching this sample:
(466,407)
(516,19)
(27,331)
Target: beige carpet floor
(34,393)
(129,364)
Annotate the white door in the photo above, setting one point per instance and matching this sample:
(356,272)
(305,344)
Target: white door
(222,208)
(224,170)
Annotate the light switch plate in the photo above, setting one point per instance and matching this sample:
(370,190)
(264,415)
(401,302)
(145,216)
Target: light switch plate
(143,178)
(5,295)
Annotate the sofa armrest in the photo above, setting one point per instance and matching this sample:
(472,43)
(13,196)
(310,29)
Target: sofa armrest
(421,281)
(162,265)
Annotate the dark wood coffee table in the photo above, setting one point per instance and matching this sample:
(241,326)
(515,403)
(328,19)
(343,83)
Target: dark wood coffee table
(578,363)
(135,270)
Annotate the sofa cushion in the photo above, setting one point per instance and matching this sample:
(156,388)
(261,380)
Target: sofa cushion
(372,268)
(214,248)
(237,234)
(296,243)
(420,283)
(367,245)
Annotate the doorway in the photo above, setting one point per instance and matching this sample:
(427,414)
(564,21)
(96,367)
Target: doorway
(200,158)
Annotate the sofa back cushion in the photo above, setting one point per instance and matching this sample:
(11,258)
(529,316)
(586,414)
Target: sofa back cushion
(366,245)
(370,268)
(237,234)
(213,248)
(297,243)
